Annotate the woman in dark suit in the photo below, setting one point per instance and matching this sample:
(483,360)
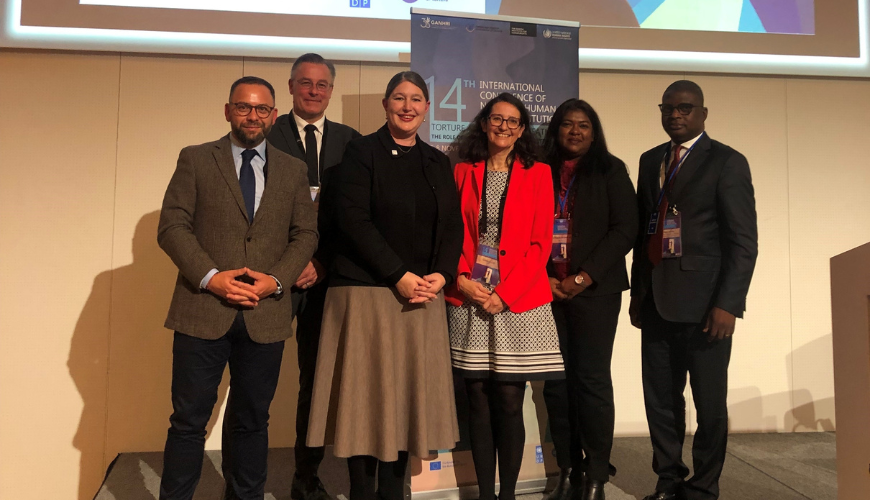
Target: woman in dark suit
(596,210)
(502,331)
(383,386)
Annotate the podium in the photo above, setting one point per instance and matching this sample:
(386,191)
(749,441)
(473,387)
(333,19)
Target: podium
(850,311)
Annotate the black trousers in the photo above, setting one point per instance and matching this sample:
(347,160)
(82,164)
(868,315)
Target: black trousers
(309,316)
(669,352)
(580,408)
(197,368)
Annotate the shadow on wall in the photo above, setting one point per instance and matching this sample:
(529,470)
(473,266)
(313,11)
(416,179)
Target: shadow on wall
(134,378)
(753,411)
(125,387)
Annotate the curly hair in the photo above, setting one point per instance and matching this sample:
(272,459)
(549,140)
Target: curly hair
(472,143)
(597,156)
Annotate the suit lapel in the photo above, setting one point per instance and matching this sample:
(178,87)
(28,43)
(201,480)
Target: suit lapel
(323,149)
(688,169)
(294,140)
(653,174)
(273,181)
(223,155)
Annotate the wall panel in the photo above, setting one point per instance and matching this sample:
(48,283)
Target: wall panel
(57,188)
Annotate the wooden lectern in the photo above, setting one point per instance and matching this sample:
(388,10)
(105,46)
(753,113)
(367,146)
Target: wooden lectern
(850,308)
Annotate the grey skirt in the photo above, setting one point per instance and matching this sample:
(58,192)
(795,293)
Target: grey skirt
(383,381)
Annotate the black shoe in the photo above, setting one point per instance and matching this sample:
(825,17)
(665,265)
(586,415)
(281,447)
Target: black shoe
(593,490)
(563,487)
(661,495)
(308,489)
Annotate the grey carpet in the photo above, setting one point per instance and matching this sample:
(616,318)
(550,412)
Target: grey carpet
(794,466)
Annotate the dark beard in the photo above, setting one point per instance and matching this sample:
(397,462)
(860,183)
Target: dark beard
(248,142)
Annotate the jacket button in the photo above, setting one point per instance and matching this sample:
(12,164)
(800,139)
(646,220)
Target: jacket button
(502,252)
(433,188)
(248,238)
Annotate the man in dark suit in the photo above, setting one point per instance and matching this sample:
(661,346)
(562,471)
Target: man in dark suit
(693,261)
(306,134)
(238,221)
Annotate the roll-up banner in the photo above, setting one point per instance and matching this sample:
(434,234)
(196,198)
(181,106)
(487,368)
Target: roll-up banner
(466,60)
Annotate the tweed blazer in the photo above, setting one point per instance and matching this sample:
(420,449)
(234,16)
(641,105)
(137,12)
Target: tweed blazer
(204,225)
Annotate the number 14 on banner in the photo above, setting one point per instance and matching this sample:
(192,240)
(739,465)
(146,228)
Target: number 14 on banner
(446,130)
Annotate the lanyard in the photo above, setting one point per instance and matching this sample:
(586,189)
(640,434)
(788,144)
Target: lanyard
(670,178)
(564,199)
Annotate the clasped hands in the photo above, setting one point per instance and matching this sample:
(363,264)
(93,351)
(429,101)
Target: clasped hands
(420,290)
(480,295)
(226,285)
(568,288)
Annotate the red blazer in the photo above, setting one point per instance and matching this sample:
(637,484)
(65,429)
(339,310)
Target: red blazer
(526,236)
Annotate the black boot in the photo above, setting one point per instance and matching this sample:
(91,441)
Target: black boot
(563,487)
(593,490)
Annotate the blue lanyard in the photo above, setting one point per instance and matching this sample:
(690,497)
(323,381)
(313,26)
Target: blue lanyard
(564,199)
(676,169)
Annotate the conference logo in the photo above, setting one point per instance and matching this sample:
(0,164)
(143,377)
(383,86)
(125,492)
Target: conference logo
(548,33)
(428,22)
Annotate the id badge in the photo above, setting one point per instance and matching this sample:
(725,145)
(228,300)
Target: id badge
(561,251)
(486,266)
(315,196)
(672,238)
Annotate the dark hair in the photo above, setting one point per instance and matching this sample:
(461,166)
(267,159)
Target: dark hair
(686,86)
(597,154)
(252,80)
(312,58)
(473,145)
(407,76)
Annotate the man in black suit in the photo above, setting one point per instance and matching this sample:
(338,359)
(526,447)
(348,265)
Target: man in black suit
(693,261)
(306,134)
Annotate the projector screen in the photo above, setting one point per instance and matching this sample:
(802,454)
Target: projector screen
(750,36)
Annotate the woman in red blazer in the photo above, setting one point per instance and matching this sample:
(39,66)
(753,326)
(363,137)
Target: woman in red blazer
(502,331)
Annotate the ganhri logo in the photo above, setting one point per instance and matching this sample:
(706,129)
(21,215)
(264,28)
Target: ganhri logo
(427,22)
(548,33)
(361,4)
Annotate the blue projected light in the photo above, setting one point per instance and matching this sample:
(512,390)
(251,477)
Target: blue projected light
(16,35)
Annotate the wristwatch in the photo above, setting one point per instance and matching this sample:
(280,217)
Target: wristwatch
(578,279)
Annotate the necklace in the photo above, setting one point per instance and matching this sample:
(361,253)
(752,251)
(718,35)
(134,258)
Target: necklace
(403,150)
(490,165)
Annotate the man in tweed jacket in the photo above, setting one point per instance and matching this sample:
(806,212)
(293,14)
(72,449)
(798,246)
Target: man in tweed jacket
(238,221)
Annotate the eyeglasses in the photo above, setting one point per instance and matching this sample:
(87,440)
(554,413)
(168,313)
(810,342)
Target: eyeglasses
(684,108)
(497,120)
(244,109)
(307,85)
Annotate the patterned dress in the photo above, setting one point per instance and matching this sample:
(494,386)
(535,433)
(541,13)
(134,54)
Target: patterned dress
(506,346)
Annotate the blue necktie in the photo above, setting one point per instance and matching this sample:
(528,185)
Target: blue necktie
(247,182)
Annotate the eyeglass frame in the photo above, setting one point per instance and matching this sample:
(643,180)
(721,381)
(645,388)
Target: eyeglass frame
(678,108)
(251,107)
(502,119)
(307,85)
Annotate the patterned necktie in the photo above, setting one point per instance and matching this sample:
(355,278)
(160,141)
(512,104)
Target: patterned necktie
(248,182)
(654,247)
(311,155)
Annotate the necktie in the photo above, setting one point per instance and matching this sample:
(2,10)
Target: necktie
(311,155)
(247,182)
(654,247)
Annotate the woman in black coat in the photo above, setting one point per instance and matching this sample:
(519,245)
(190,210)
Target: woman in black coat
(596,225)
(383,386)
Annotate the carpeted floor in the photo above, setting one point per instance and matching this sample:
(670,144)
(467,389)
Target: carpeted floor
(758,466)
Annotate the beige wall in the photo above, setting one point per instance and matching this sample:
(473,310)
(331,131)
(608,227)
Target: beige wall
(88,142)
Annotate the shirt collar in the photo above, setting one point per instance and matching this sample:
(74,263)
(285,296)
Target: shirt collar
(688,144)
(260,149)
(300,123)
